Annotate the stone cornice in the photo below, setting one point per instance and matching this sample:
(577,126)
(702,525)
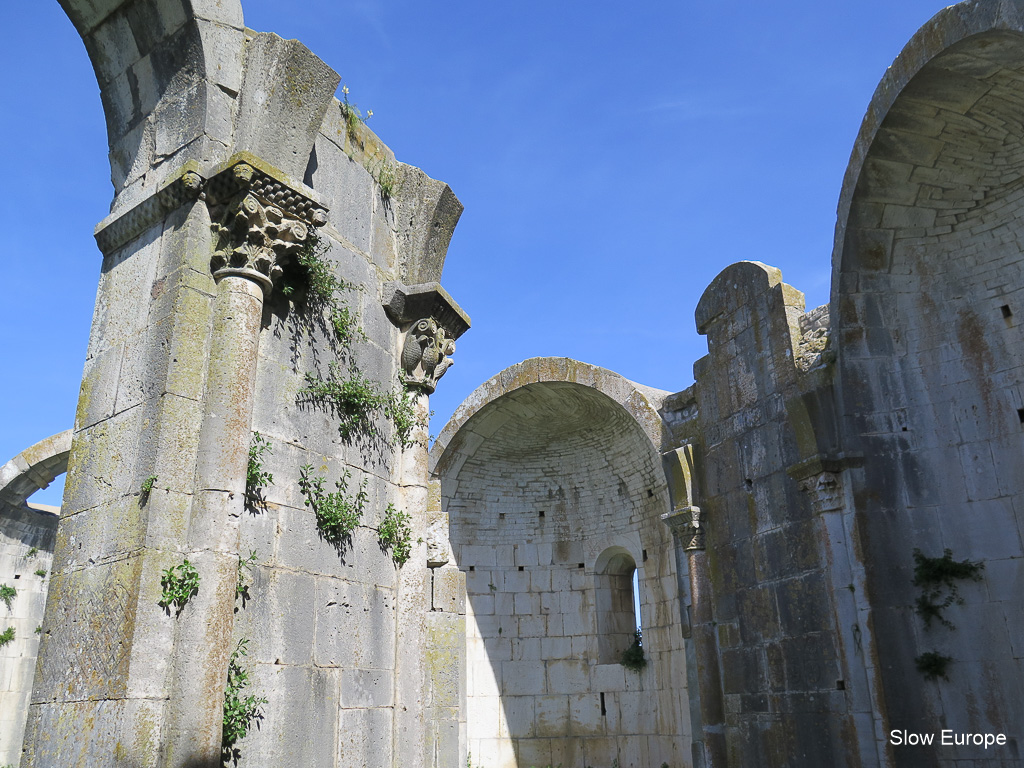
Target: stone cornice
(688,525)
(261,217)
(118,229)
(409,303)
(246,172)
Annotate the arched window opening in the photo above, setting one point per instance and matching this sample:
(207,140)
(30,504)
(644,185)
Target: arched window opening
(636,599)
(617,603)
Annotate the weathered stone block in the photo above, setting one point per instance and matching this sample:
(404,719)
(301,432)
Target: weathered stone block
(449,590)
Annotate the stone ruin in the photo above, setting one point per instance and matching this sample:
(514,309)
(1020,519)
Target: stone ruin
(805,525)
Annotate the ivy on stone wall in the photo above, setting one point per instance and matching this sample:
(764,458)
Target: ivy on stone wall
(937,578)
(355,400)
(240,711)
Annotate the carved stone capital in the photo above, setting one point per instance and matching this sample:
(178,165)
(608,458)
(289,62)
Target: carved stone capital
(825,491)
(426,354)
(689,526)
(431,321)
(260,221)
(821,478)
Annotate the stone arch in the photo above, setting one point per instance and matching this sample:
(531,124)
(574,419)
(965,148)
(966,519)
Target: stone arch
(640,401)
(543,469)
(27,534)
(34,468)
(168,71)
(926,298)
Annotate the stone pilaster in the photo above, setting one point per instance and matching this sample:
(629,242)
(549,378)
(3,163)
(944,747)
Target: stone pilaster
(166,402)
(689,528)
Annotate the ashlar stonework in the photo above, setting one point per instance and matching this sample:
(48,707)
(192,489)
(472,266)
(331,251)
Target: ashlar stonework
(770,521)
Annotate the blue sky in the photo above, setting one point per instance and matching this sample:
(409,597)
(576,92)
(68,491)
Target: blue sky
(611,162)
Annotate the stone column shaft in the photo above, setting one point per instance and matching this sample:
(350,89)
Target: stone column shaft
(203,638)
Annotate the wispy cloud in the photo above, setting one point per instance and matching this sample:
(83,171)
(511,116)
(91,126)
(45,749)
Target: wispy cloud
(699,109)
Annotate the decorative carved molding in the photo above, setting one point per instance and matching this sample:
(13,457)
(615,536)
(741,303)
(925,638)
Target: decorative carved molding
(426,354)
(259,222)
(688,525)
(431,321)
(821,478)
(260,219)
(245,173)
(825,490)
(119,229)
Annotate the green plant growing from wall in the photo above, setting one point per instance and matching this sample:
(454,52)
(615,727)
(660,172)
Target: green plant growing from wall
(245,564)
(145,489)
(239,711)
(937,578)
(933,665)
(395,534)
(32,553)
(41,573)
(180,583)
(7,636)
(633,657)
(400,408)
(7,594)
(312,281)
(354,399)
(386,175)
(256,476)
(353,117)
(337,512)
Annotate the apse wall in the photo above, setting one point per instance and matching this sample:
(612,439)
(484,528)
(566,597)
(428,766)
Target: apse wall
(929,308)
(553,492)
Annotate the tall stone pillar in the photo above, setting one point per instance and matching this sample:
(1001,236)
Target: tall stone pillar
(200,233)
(688,526)
(158,473)
(259,224)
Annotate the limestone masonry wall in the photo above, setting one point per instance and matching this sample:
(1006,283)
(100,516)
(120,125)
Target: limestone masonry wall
(826,530)
(542,487)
